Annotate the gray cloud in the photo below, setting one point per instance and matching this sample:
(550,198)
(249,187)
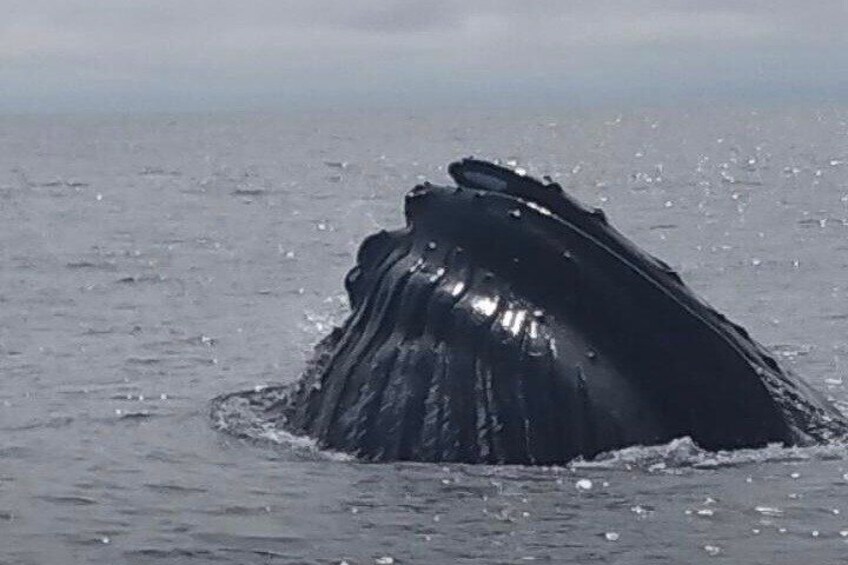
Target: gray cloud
(125,54)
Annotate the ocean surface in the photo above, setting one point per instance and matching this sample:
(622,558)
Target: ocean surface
(150,263)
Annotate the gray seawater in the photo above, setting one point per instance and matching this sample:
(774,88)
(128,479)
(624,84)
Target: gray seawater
(150,263)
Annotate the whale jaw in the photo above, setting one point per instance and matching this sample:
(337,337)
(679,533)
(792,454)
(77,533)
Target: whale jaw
(507,323)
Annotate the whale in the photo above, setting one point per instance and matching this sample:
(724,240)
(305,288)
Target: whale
(507,323)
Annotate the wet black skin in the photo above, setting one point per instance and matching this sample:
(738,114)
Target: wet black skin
(506,323)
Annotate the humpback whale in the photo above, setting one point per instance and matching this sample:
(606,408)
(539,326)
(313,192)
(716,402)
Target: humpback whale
(508,323)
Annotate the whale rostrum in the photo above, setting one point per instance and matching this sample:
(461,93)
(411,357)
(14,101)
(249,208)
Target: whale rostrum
(507,323)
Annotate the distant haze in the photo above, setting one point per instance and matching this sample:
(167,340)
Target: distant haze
(172,55)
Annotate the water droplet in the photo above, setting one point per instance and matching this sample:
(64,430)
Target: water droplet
(795,475)
(457,288)
(583,484)
(612,536)
(385,560)
(105,540)
(438,274)
(416,265)
(515,213)
(768,510)
(431,245)
(712,550)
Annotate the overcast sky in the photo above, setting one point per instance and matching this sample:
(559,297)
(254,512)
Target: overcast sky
(134,55)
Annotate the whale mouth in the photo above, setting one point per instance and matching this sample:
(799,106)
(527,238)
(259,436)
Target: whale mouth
(508,323)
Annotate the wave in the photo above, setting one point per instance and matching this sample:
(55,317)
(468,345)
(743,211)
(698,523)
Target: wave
(246,415)
(683,453)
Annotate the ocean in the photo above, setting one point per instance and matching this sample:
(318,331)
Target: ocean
(149,263)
